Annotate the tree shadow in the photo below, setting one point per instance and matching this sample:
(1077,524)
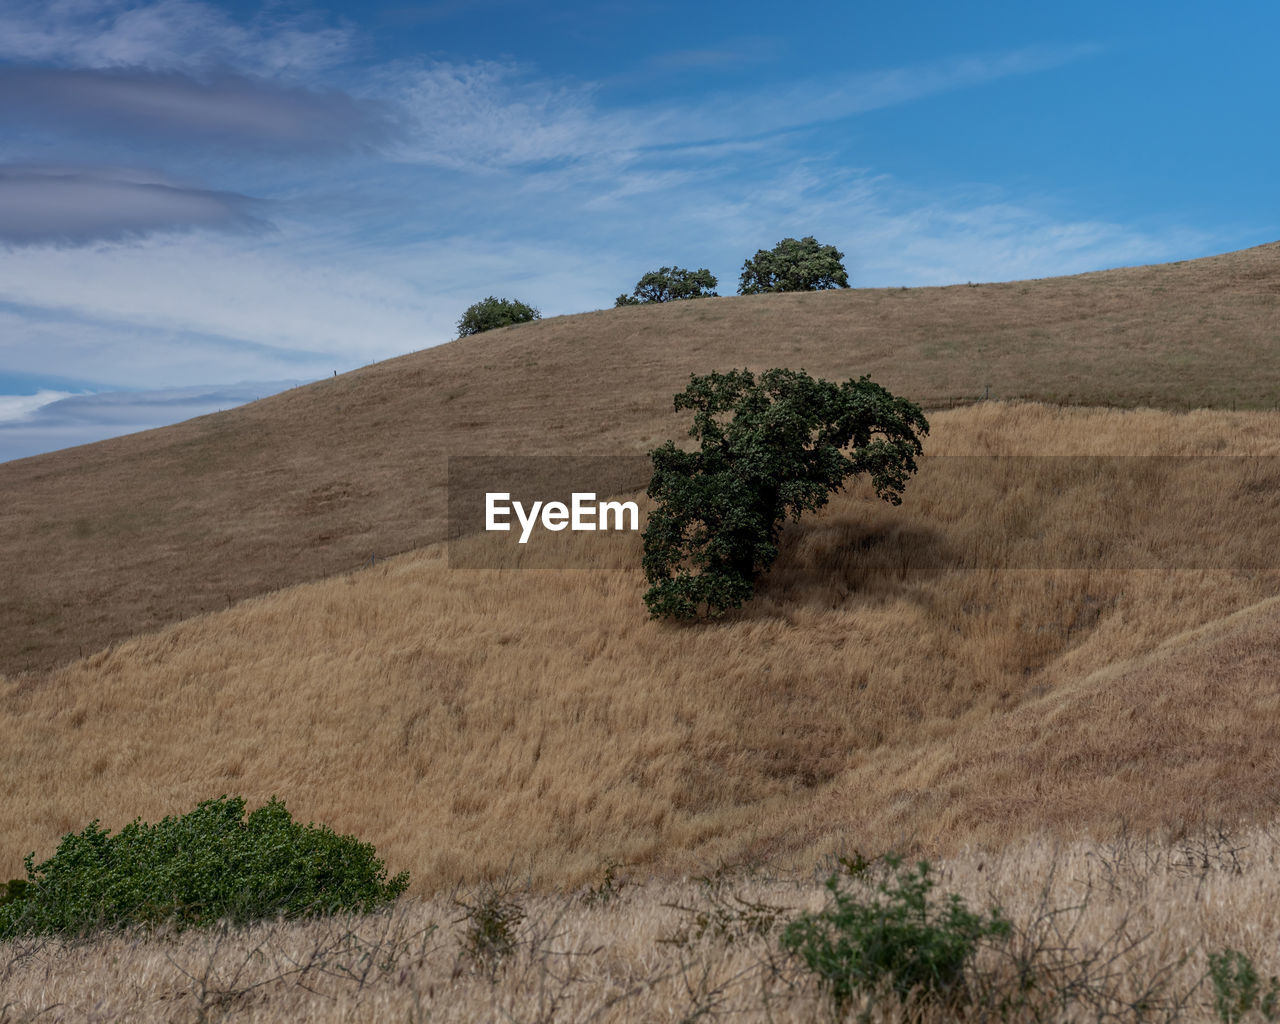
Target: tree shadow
(824,563)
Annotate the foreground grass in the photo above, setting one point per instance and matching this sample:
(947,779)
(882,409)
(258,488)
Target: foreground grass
(1120,930)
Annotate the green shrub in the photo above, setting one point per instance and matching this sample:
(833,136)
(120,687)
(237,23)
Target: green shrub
(898,935)
(670,284)
(208,865)
(491,313)
(1237,990)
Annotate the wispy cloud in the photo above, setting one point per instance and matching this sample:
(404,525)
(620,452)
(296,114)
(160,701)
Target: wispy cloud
(494,115)
(221,108)
(20,408)
(292,304)
(79,205)
(166,35)
(488,114)
(899,239)
(832,97)
(31,424)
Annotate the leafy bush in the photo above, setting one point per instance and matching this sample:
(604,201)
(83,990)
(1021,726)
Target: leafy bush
(1237,989)
(719,510)
(794,265)
(207,865)
(490,313)
(897,936)
(670,284)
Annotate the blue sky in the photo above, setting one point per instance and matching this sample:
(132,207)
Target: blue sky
(204,202)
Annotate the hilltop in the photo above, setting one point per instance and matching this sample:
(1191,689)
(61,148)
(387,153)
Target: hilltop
(122,537)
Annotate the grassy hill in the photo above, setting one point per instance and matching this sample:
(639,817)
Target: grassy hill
(876,694)
(123,537)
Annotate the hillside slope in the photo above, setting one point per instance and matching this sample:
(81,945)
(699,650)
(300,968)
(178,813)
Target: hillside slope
(474,722)
(121,537)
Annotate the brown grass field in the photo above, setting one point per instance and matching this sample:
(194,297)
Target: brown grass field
(109,540)
(894,685)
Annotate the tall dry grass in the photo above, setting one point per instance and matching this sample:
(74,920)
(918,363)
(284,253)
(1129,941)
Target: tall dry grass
(1121,930)
(476,723)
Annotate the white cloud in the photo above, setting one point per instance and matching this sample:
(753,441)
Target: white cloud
(169,310)
(65,420)
(941,244)
(237,293)
(495,115)
(17,408)
(491,114)
(165,34)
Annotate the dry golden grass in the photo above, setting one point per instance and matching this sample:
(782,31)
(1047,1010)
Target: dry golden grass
(1108,931)
(104,542)
(470,723)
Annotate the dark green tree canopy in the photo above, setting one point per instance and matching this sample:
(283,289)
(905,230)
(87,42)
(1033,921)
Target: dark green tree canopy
(669,284)
(769,447)
(794,265)
(493,312)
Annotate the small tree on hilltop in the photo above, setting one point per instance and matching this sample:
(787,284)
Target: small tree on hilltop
(493,312)
(769,448)
(794,265)
(669,284)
